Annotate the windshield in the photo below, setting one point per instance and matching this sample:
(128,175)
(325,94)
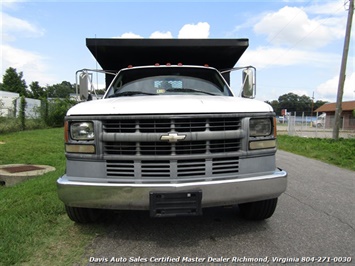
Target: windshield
(168,81)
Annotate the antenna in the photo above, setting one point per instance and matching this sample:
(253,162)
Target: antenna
(97,73)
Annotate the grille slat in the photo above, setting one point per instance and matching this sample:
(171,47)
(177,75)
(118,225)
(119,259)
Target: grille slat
(225,165)
(166,148)
(121,168)
(123,126)
(151,171)
(191,168)
(154,126)
(167,125)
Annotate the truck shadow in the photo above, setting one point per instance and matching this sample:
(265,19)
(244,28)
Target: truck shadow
(127,227)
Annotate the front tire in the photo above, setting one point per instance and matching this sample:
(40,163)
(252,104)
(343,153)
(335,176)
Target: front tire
(258,210)
(83,215)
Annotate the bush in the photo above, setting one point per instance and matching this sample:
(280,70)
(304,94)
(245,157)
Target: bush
(51,114)
(22,113)
(55,111)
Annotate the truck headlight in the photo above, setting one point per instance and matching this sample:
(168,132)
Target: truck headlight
(82,131)
(259,127)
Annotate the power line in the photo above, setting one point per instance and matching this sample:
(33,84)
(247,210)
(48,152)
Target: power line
(301,39)
(304,37)
(277,34)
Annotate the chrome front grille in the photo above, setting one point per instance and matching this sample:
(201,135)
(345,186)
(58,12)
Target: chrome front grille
(143,136)
(192,148)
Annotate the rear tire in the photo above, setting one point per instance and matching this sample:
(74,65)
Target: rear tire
(258,210)
(83,215)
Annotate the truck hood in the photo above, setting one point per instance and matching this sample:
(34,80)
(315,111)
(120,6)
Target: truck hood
(169,104)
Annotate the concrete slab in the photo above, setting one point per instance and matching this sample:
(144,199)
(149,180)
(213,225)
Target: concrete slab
(12,174)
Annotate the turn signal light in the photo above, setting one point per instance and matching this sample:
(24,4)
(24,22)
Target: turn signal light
(66,131)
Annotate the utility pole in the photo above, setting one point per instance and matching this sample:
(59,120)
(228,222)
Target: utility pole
(338,109)
(312,105)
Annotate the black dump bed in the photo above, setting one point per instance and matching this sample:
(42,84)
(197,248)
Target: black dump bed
(116,53)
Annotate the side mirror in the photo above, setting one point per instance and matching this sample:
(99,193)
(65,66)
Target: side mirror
(84,86)
(248,86)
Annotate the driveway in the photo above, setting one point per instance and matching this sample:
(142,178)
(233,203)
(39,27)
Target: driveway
(314,221)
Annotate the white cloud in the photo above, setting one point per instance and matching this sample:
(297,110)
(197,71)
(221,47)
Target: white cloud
(130,35)
(326,8)
(292,26)
(188,31)
(161,35)
(30,63)
(328,89)
(13,28)
(11,4)
(192,31)
(266,57)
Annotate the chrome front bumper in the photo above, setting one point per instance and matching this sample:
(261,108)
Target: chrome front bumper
(121,196)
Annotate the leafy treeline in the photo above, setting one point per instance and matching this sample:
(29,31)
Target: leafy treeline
(55,102)
(295,103)
(13,81)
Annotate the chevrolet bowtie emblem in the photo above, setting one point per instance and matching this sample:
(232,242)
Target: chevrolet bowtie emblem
(172,137)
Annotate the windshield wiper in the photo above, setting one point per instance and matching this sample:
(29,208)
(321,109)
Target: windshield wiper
(129,93)
(191,90)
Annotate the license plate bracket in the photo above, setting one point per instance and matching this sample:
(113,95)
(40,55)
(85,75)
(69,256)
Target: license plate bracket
(170,204)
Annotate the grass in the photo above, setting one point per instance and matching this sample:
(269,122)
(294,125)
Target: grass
(34,228)
(340,153)
(13,124)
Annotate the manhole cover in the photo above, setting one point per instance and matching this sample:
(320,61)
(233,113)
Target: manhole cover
(21,168)
(12,174)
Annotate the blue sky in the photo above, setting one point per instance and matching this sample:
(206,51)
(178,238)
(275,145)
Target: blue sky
(296,46)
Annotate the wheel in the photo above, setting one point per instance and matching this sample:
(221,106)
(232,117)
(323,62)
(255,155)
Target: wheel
(258,210)
(83,215)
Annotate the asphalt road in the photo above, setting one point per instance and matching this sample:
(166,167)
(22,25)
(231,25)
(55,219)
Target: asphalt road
(314,222)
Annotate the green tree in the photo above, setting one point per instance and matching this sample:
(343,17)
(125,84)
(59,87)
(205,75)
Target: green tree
(275,105)
(304,105)
(295,103)
(37,92)
(14,82)
(61,90)
(318,104)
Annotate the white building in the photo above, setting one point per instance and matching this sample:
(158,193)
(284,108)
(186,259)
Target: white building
(10,105)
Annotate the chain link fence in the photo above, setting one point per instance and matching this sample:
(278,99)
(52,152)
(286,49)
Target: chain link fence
(319,126)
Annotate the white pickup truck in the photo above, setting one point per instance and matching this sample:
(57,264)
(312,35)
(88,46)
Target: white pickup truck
(169,135)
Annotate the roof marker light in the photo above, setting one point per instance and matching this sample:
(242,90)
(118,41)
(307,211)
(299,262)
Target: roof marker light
(168,64)
(179,64)
(157,64)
